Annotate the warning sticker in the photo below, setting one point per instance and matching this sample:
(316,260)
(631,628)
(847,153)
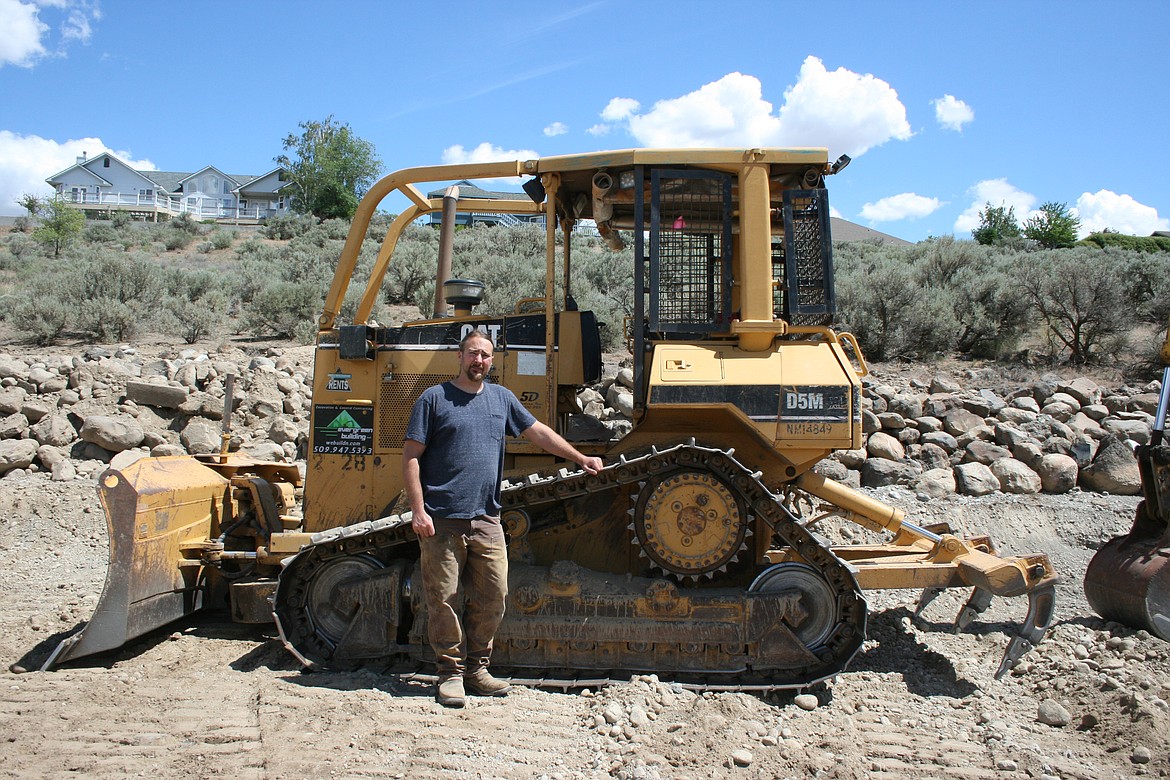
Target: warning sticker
(343,430)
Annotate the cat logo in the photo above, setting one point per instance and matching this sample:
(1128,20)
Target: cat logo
(339,382)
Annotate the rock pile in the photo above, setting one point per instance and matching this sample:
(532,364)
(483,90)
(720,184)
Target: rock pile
(1051,435)
(70,416)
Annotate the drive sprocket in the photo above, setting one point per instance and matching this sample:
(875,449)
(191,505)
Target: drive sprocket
(689,523)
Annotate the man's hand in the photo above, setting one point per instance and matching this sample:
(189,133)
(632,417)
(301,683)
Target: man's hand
(592,465)
(420,523)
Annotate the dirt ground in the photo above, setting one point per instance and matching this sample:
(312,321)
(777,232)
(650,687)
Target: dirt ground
(207,698)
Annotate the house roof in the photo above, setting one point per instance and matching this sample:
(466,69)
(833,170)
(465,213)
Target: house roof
(844,230)
(166,181)
(469,190)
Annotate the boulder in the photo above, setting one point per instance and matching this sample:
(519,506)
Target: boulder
(975,479)
(283,429)
(878,472)
(941,439)
(1015,477)
(1058,473)
(17,454)
(13,426)
(985,452)
(832,469)
(1028,453)
(958,421)
(157,395)
(883,445)
(936,483)
(928,424)
(1083,389)
(1134,430)
(1025,403)
(200,437)
(54,430)
(266,450)
(932,456)
(851,459)
(35,410)
(942,383)
(12,399)
(905,405)
(1113,470)
(113,433)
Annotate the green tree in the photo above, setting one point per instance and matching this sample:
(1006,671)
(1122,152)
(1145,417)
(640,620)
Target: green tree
(1053,227)
(329,167)
(997,225)
(30,203)
(60,224)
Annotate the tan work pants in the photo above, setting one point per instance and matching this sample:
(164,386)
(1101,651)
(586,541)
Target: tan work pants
(465,571)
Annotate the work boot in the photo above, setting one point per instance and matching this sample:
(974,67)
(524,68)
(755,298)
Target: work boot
(449,691)
(481,683)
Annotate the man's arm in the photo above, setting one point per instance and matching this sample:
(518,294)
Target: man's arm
(552,442)
(420,520)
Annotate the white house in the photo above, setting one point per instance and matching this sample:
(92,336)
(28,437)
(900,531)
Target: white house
(104,183)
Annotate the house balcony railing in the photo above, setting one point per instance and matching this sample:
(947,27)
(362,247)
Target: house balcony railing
(198,207)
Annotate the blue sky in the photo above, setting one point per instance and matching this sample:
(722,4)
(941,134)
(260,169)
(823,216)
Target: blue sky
(942,105)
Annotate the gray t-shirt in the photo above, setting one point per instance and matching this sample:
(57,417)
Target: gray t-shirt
(463,463)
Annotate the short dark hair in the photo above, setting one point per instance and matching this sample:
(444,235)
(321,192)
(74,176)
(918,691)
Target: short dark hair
(475,334)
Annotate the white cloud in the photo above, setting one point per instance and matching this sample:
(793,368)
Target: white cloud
(848,112)
(619,108)
(997,192)
(25,34)
(600,129)
(484,153)
(26,161)
(21,42)
(906,205)
(555,129)
(952,113)
(845,111)
(1105,209)
(77,27)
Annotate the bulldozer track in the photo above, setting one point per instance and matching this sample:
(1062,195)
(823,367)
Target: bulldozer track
(379,538)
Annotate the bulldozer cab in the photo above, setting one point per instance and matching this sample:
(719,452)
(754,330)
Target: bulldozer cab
(732,258)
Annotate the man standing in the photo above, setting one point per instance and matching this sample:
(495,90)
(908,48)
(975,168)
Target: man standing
(452,465)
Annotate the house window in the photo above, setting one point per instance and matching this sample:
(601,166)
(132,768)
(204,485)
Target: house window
(227,190)
(106,163)
(146,193)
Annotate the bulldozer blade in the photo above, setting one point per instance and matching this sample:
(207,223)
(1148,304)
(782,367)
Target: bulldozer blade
(157,509)
(1041,610)
(1128,581)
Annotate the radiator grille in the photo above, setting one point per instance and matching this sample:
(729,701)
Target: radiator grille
(395,401)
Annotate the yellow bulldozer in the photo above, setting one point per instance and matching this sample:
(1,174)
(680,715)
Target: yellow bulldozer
(695,553)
